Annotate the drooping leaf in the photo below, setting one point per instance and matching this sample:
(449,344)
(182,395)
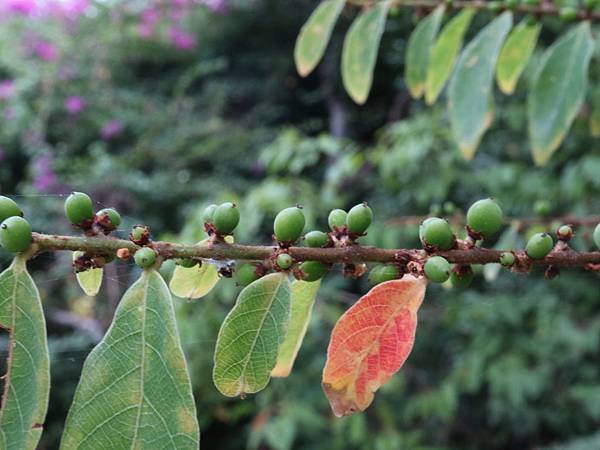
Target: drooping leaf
(370,343)
(361,46)
(418,51)
(134,390)
(444,52)
(27,381)
(515,55)
(314,36)
(194,282)
(90,280)
(470,102)
(251,335)
(303,298)
(558,91)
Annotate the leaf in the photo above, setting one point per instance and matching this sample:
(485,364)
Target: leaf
(418,51)
(360,51)
(194,282)
(134,390)
(444,52)
(470,103)
(595,115)
(27,381)
(303,299)
(251,335)
(370,343)
(315,34)
(515,55)
(558,91)
(90,280)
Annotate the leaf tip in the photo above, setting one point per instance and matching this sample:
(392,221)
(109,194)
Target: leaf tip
(341,404)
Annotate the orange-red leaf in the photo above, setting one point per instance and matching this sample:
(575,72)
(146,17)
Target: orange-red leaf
(370,343)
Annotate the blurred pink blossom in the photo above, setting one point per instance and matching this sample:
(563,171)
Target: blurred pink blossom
(181,39)
(20,7)
(7,89)
(44,177)
(45,50)
(148,20)
(216,6)
(111,129)
(75,104)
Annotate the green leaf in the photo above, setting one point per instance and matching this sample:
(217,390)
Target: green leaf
(315,34)
(595,115)
(418,51)
(558,91)
(470,102)
(134,390)
(251,336)
(90,280)
(515,55)
(27,381)
(303,299)
(360,51)
(444,52)
(194,282)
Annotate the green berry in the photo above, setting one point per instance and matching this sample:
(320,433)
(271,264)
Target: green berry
(316,239)
(539,245)
(337,219)
(461,276)
(564,233)
(140,234)
(78,208)
(313,270)
(567,13)
(284,261)
(494,6)
(209,213)
(145,257)
(226,218)
(8,208)
(437,269)
(15,234)
(437,233)
(449,208)
(507,259)
(114,218)
(542,207)
(289,224)
(484,217)
(246,274)
(382,273)
(597,235)
(359,218)
(187,263)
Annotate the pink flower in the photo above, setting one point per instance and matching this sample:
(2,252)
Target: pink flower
(111,129)
(181,39)
(46,51)
(7,89)
(21,7)
(148,20)
(44,177)
(75,104)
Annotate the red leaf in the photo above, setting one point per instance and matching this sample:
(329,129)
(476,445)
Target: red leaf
(370,343)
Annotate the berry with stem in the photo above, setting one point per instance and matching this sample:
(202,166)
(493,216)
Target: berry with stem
(437,269)
(284,261)
(539,245)
(226,217)
(436,232)
(313,270)
(316,239)
(15,234)
(382,273)
(337,219)
(359,218)
(145,257)
(507,259)
(289,224)
(111,217)
(79,209)
(484,217)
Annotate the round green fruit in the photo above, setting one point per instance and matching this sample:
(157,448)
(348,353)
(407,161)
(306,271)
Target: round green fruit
(78,208)
(139,234)
(484,217)
(597,235)
(209,213)
(359,218)
(382,273)
(289,224)
(8,208)
(226,217)
(437,269)
(284,261)
(316,239)
(542,207)
(145,257)
(565,233)
(246,274)
(507,259)
(337,219)
(567,13)
(114,218)
(461,277)
(437,233)
(187,263)
(539,245)
(15,234)
(313,270)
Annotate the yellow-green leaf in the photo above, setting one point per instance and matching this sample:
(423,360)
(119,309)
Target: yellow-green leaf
(134,390)
(418,51)
(515,55)
(194,282)
(303,299)
(558,91)
(361,46)
(27,381)
(314,36)
(470,102)
(90,280)
(251,335)
(444,52)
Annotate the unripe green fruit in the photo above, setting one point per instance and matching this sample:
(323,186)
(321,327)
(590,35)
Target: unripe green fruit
(382,273)
(542,207)
(507,259)
(246,274)
(78,208)
(187,263)
(494,6)
(539,245)
(8,208)
(359,218)
(564,233)
(113,216)
(316,239)
(289,224)
(337,218)
(437,269)
(284,261)
(449,208)
(313,270)
(461,277)
(209,213)
(567,13)
(437,233)
(145,257)
(597,235)
(139,234)
(226,218)
(15,234)
(485,217)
